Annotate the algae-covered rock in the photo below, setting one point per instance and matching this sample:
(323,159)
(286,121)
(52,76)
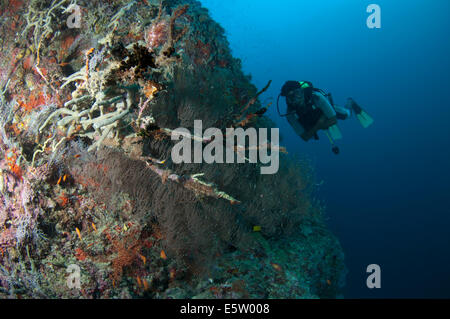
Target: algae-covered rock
(92,203)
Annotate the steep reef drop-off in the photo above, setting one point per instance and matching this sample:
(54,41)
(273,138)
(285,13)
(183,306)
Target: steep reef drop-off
(87,181)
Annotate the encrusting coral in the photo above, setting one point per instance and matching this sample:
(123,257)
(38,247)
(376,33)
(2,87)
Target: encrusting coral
(86,175)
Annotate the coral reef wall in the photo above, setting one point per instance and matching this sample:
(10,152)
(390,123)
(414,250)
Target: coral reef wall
(87,177)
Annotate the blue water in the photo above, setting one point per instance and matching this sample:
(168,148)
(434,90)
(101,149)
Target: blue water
(387,193)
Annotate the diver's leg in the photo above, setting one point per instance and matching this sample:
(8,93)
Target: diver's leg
(322,103)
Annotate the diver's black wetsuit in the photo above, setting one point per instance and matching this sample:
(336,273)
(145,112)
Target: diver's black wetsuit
(307,116)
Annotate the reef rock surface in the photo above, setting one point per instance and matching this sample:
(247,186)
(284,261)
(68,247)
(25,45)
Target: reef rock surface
(92,204)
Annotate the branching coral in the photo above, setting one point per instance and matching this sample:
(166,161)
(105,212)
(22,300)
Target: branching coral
(116,18)
(168,49)
(96,108)
(193,183)
(126,249)
(157,34)
(101,100)
(40,22)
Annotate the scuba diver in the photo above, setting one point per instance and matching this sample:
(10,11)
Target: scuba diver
(310,109)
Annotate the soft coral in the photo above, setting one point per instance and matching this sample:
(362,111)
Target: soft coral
(158,34)
(11,161)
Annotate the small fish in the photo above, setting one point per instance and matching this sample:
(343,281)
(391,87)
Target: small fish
(276,267)
(328,282)
(93,226)
(145,284)
(144,260)
(163,255)
(77,156)
(156,161)
(59,180)
(256,228)
(90,51)
(78,233)
(65,177)
(125,228)
(138,279)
